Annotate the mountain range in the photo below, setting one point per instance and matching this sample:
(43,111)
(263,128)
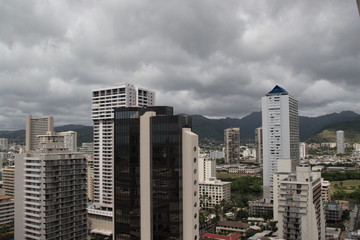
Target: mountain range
(213,129)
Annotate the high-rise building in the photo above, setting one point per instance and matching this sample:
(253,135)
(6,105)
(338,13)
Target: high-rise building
(325,191)
(232,145)
(155,175)
(4,144)
(299,207)
(340,142)
(280,123)
(70,140)
(259,144)
(207,167)
(50,193)
(103,102)
(302,148)
(8,177)
(35,127)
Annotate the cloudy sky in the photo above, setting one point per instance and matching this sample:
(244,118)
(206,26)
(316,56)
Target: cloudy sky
(209,57)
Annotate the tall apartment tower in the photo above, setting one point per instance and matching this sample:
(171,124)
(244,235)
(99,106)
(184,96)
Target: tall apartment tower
(280,123)
(232,145)
(259,144)
(340,142)
(35,127)
(300,211)
(155,175)
(50,194)
(103,102)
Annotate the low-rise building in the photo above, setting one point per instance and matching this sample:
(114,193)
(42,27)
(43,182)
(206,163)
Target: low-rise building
(213,191)
(261,209)
(227,226)
(332,233)
(333,212)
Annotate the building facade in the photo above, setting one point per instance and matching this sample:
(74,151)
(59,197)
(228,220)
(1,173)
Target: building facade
(4,144)
(70,140)
(259,144)
(103,102)
(232,145)
(280,122)
(50,198)
(300,207)
(155,175)
(7,213)
(35,127)
(207,167)
(340,142)
(213,191)
(8,177)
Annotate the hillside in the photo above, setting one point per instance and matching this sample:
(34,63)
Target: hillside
(328,133)
(214,128)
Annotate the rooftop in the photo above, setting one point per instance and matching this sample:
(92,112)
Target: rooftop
(277,90)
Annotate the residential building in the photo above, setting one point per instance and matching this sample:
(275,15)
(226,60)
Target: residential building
(259,144)
(300,207)
(8,177)
(103,102)
(260,209)
(227,226)
(325,191)
(7,212)
(340,142)
(333,212)
(280,122)
(232,145)
(50,193)
(217,155)
(155,175)
(213,191)
(35,127)
(207,167)
(70,140)
(87,148)
(302,150)
(4,144)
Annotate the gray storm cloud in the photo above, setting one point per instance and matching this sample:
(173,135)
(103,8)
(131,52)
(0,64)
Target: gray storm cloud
(215,58)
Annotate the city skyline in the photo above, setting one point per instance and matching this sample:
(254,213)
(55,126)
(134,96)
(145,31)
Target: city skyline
(217,57)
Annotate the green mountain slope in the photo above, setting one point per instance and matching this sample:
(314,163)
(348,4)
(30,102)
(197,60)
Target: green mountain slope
(328,133)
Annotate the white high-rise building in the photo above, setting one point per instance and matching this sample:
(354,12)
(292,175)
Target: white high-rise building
(35,127)
(232,145)
(302,147)
(259,144)
(280,122)
(299,206)
(50,193)
(70,140)
(104,100)
(207,167)
(340,141)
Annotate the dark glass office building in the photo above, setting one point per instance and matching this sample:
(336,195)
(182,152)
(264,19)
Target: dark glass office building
(155,164)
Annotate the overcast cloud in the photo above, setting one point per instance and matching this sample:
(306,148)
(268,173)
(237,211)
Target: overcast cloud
(209,57)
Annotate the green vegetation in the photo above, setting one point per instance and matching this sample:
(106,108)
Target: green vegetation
(349,196)
(341,176)
(348,186)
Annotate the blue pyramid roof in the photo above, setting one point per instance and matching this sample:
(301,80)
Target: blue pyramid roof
(278,90)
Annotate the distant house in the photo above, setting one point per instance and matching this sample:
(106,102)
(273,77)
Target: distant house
(232,226)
